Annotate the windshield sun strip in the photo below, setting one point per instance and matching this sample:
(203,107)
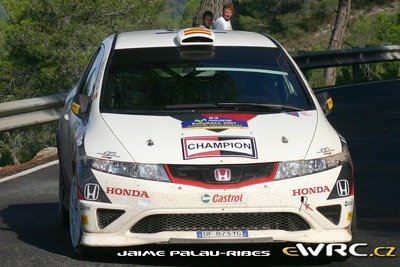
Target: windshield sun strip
(242,70)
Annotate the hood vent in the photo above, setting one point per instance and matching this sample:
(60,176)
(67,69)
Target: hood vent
(196,36)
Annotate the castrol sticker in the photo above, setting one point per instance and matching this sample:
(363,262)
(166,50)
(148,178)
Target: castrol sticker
(224,198)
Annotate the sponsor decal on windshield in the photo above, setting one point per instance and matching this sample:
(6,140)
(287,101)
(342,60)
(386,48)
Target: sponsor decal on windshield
(219,146)
(216,122)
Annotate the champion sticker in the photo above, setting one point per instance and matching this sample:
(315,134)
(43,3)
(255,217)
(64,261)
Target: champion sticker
(219,146)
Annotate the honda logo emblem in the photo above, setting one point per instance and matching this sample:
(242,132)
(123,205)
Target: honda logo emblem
(91,191)
(222,175)
(343,188)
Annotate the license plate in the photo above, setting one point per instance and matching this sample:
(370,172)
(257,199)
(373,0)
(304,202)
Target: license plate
(222,234)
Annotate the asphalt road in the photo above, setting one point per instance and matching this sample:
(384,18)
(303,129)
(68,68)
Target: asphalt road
(368,116)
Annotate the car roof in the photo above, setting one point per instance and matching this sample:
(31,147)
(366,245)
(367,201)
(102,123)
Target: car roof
(170,38)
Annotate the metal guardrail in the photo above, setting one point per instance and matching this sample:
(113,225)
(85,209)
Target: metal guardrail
(354,56)
(347,57)
(23,113)
(27,112)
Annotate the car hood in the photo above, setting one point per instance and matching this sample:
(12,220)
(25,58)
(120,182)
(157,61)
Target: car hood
(212,138)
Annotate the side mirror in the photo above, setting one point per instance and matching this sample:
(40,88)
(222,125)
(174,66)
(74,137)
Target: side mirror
(80,105)
(325,101)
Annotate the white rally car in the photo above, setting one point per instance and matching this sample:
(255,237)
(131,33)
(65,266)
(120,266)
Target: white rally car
(199,136)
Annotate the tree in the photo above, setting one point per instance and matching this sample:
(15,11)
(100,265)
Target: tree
(380,29)
(187,16)
(47,45)
(49,42)
(337,36)
(215,6)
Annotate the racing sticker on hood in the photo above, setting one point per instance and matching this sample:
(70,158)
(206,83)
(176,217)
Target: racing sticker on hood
(219,146)
(108,154)
(299,113)
(216,122)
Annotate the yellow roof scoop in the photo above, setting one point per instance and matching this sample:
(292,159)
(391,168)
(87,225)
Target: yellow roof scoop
(196,36)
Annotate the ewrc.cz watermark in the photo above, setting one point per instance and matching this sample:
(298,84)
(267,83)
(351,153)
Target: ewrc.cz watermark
(190,253)
(358,250)
(338,249)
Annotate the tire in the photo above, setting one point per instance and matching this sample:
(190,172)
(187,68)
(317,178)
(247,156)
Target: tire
(353,226)
(62,211)
(75,227)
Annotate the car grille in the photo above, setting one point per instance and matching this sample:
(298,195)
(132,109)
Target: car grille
(220,221)
(106,216)
(205,173)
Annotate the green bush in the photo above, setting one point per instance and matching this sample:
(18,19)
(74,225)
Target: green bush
(383,29)
(25,144)
(5,157)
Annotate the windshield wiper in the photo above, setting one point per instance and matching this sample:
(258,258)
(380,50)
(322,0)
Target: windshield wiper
(276,107)
(192,106)
(235,106)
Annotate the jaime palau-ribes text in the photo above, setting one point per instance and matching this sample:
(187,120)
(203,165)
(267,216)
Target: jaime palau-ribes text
(189,253)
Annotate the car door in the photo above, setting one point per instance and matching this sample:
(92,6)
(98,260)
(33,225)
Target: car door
(76,114)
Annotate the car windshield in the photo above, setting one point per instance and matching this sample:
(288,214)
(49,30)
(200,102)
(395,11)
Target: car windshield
(189,78)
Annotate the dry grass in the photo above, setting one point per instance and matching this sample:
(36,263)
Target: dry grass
(38,160)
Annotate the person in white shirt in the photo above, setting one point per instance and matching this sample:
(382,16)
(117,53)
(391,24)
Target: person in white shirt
(224,22)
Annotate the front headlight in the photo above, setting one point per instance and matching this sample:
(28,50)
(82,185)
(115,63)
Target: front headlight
(291,169)
(153,172)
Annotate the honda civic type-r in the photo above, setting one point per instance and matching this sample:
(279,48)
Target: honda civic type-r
(200,136)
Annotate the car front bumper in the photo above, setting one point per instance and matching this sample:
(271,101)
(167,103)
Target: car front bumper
(293,210)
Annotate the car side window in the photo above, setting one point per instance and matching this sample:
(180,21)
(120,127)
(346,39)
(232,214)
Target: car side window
(89,79)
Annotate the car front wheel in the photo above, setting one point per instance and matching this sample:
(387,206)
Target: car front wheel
(62,211)
(75,227)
